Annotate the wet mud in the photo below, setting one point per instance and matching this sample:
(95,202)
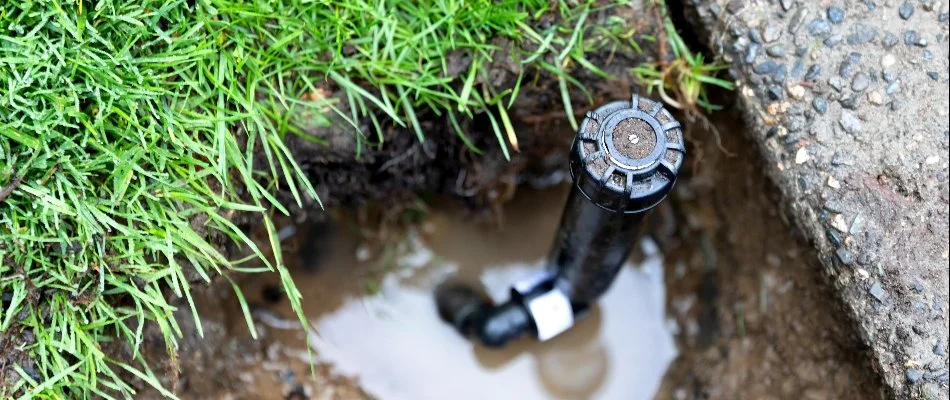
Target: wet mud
(375,320)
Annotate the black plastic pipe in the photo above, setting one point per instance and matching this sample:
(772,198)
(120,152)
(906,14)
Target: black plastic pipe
(624,161)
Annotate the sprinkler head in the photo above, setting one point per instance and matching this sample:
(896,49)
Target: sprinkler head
(627,154)
(624,162)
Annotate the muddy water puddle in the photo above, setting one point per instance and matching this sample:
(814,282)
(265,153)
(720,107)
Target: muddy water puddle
(375,320)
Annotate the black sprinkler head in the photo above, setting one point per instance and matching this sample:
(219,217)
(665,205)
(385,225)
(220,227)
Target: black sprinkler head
(624,161)
(627,155)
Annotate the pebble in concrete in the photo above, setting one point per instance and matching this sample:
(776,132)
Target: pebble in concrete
(751,53)
(777,51)
(893,87)
(844,256)
(835,15)
(914,375)
(820,104)
(771,32)
(846,69)
(910,38)
(906,10)
(819,27)
(780,73)
(860,82)
(797,19)
(862,34)
(765,67)
(813,73)
(890,40)
(876,98)
(888,60)
(850,123)
(836,83)
(878,292)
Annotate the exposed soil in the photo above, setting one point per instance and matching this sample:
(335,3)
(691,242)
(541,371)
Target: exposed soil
(756,320)
(745,301)
(634,138)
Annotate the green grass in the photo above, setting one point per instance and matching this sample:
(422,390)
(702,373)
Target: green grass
(133,132)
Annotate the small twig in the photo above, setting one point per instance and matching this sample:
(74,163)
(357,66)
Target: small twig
(7,190)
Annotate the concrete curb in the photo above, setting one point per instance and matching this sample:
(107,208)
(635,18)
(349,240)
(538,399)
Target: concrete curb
(848,104)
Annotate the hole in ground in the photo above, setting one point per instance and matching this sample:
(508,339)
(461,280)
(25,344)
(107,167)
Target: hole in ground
(740,297)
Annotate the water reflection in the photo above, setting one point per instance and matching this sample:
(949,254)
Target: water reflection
(395,343)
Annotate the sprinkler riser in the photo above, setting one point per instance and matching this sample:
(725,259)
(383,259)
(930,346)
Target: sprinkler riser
(624,161)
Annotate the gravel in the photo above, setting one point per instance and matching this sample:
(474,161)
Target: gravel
(766,67)
(846,69)
(735,6)
(844,256)
(886,77)
(755,36)
(775,92)
(914,375)
(906,10)
(836,83)
(910,38)
(820,104)
(777,51)
(814,72)
(878,292)
(860,82)
(819,27)
(850,123)
(888,60)
(833,40)
(850,102)
(751,53)
(862,34)
(835,15)
(875,97)
(893,87)
(890,40)
(780,73)
(797,19)
(797,69)
(771,32)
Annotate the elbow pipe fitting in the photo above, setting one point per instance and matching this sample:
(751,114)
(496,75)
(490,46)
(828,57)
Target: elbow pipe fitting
(624,161)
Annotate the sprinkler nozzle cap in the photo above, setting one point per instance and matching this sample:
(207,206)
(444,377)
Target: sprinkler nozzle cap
(627,154)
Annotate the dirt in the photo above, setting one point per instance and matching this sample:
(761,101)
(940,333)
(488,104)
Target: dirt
(756,319)
(403,165)
(847,103)
(745,305)
(634,138)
